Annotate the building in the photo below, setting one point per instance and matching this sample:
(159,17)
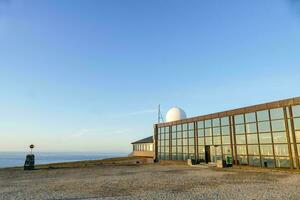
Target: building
(143,148)
(265,135)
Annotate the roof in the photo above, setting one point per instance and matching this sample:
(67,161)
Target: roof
(145,140)
(271,105)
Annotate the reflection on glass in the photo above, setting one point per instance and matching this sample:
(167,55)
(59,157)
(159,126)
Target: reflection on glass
(254,161)
(208,132)
(200,124)
(281,150)
(279,137)
(241,149)
(216,122)
(283,162)
(250,117)
(225,130)
(297,123)
(262,115)
(200,141)
(207,123)
(296,111)
(278,125)
(239,129)
(216,131)
(240,139)
(225,121)
(239,119)
(264,126)
(253,150)
(208,141)
(266,150)
(251,128)
(277,113)
(226,139)
(252,139)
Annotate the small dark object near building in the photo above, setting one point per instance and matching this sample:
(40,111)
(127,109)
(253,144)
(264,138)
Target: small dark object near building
(29,162)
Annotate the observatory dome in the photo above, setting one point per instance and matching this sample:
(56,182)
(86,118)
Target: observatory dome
(175,114)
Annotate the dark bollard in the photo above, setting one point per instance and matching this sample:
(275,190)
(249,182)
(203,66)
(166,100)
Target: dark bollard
(29,162)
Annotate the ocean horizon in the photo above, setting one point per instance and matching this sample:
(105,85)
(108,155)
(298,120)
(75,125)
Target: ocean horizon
(17,159)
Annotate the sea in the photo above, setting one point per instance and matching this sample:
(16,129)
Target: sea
(16,159)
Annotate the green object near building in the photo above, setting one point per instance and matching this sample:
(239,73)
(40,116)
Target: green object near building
(228,160)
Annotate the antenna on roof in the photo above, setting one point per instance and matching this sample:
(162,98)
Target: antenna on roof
(159,116)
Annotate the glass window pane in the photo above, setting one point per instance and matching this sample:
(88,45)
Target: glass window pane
(200,124)
(281,150)
(201,132)
(184,142)
(167,130)
(278,125)
(263,115)
(297,134)
(279,137)
(217,140)
(239,119)
(173,142)
(254,161)
(191,141)
(173,129)
(216,122)
(252,139)
(225,121)
(268,162)
(208,141)
(266,150)
(207,123)
(179,127)
(265,138)
(225,130)
(239,129)
(297,123)
(264,126)
(201,149)
(191,126)
(277,113)
(184,134)
(241,149)
(174,135)
(208,132)
(296,111)
(179,134)
(184,127)
(191,149)
(226,139)
(240,139)
(251,128)
(185,149)
(191,133)
(250,117)
(227,149)
(253,150)
(201,141)
(242,160)
(283,162)
(179,142)
(216,131)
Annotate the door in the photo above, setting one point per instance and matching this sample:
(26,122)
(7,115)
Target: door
(207,154)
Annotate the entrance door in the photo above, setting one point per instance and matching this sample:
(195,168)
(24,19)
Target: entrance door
(207,154)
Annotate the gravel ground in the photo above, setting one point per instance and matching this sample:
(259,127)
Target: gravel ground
(147,182)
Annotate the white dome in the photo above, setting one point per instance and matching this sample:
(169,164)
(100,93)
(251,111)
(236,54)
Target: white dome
(175,114)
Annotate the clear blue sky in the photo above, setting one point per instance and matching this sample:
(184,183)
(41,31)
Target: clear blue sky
(87,75)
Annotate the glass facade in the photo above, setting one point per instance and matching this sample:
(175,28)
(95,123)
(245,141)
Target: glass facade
(264,138)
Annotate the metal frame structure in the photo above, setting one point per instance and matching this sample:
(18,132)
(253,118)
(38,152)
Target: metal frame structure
(277,135)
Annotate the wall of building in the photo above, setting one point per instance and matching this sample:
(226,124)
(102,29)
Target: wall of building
(257,137)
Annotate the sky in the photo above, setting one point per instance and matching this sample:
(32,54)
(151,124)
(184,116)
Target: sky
(79,75)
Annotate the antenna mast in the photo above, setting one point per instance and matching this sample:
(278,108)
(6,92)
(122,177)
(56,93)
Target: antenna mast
(159,116)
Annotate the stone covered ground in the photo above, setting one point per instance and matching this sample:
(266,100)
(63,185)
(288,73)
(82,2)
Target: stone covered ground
(148,182)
